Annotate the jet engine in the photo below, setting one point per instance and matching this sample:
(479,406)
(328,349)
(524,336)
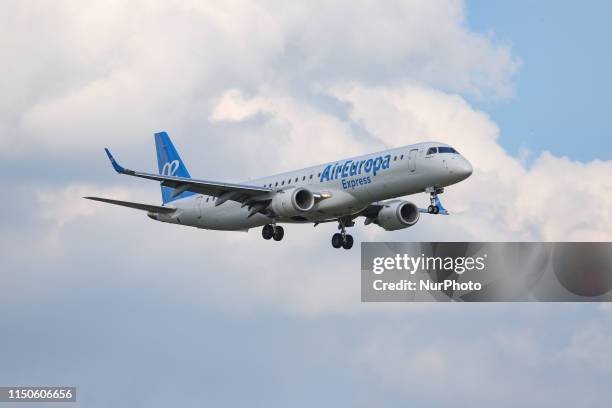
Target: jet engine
(397,215)
(293,202)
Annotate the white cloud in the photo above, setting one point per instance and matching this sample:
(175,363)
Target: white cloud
(303,134)
(83,74)
(233,107)
(421,40)
(61,206)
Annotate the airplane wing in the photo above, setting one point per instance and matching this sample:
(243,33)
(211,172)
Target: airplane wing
(145,207)
(371,211)
(225,191)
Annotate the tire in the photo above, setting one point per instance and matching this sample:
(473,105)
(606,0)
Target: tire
(430,209)
(279,233)
(436,209)
(267,232)
(348,243)
(337,240)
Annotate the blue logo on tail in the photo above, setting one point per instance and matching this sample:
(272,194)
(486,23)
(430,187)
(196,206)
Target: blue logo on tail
(171,165)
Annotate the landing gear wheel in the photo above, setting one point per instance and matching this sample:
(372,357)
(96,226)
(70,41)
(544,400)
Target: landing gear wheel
(279,233)
(348,242)
(433,198)
(337,240)
(267,232)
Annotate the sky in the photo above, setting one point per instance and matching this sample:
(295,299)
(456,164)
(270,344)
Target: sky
(136,312)
(563,87)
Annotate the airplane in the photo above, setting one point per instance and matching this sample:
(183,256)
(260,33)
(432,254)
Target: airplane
(366,186)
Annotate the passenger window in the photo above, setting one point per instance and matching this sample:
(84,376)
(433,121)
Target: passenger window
(283,183)
(276,184)
(311,176)
(319,175)
(296,179)
(402,157)
(395,158)
(432,150)
(207,199)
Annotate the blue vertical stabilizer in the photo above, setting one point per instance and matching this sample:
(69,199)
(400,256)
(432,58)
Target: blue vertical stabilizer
(170,164)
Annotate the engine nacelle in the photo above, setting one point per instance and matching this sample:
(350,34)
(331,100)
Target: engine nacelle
(397,215)
(289,203)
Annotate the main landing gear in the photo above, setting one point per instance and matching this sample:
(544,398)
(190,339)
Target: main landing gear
(272,231)
(434,208)
(342,239)
(339,240)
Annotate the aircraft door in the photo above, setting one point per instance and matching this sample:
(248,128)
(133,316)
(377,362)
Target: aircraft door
(412,156)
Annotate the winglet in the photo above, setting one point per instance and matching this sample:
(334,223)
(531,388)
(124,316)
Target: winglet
(116,165)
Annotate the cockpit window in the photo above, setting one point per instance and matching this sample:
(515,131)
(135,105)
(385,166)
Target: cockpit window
(445,149)
(432,150)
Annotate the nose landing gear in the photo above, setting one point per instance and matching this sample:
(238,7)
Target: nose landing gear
(436,206)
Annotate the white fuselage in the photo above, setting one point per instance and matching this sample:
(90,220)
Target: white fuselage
(351,184)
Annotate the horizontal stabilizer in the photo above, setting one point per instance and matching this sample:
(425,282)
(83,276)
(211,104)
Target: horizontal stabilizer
(145,207)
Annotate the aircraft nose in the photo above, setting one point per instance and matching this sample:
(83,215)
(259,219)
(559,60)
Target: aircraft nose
(464,169)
